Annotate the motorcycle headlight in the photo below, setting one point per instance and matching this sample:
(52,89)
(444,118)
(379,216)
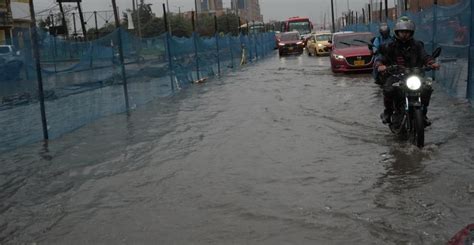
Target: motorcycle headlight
(320,45)
(414,83)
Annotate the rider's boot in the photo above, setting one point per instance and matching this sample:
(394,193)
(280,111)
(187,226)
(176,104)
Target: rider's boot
(388,111)
(427,121)
(386,116)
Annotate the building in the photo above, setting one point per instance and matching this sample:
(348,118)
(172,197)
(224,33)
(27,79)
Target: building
(21,23)
(6,22)
(248,10)
(418,5)
(206,6)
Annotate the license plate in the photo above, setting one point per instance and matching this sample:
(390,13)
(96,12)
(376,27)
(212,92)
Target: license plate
(359,62)
(290,48)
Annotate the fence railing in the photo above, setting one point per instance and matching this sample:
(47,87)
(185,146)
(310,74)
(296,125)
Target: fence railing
(83,81)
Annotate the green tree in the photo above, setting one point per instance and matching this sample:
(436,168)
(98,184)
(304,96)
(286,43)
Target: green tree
(180,27)
(205,25)
(228,23)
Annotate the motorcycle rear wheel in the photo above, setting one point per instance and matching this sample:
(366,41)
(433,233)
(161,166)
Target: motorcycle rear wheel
(419,128)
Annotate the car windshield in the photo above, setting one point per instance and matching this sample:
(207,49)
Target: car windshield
(345,41)
(289,37)
(4,50)
(302,27)
(324,37)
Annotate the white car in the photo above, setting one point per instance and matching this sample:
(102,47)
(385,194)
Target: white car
(9,53)
(10,63)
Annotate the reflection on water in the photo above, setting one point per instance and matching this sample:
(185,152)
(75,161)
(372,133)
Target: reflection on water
(404,168)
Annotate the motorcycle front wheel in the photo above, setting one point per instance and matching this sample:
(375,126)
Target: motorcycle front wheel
(419,128)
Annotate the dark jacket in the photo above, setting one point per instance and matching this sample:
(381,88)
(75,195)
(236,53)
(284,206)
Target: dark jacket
(409,54)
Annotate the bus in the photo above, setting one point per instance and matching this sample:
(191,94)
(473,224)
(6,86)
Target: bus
(300,24)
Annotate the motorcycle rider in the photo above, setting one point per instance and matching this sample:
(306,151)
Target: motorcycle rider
(383,39)
(406,52)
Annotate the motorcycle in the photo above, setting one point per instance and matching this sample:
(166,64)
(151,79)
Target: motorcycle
(408,120)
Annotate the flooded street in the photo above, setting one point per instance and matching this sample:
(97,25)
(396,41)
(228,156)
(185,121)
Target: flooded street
(280,152)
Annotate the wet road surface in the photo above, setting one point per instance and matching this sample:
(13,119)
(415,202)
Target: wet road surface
(283,152)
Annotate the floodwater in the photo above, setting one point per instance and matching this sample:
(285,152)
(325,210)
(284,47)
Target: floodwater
(281,152)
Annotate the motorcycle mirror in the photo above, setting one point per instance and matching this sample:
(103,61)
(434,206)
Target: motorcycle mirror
(371,46)
(436,53)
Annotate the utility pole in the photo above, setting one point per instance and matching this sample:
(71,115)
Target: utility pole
(332,15)
(134,9)
(363,16)
(96,26)
(169,13)
(81,16)
(139,20)
(324,22)
(63,18)
(74,24)
(386,10)
(348,9)
(39,76)
(380,13)
(369,14)
(197,12)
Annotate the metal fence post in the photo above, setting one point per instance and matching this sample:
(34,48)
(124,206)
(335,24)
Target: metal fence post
(216,34)
(195,47)
(255,41)
(38,71)
(433,40)
(168,47)
(229,39)
(470,80)
(122,63)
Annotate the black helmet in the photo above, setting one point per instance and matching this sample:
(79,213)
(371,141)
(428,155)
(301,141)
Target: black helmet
(404,24)
(384,30)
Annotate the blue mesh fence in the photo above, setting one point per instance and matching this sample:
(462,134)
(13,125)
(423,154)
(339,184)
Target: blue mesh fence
(447,27)
(83,81)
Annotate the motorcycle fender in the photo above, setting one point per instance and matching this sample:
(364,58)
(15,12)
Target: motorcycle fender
(414,102)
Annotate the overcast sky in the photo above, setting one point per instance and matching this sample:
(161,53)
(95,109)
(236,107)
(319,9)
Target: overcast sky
(271,9)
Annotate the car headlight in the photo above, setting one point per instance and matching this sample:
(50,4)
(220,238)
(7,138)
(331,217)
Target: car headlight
(299,43)
(281,44)
(338,57)
(414,83)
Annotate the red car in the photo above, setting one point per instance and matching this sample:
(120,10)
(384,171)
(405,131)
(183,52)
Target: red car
(350,52)
(290,42)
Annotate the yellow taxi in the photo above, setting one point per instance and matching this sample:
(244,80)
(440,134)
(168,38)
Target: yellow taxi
(318,44)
